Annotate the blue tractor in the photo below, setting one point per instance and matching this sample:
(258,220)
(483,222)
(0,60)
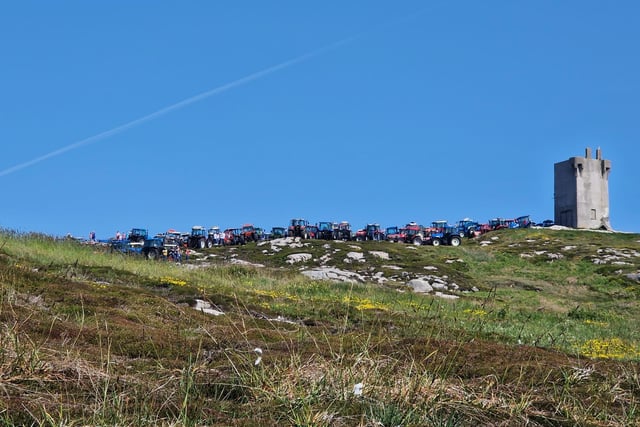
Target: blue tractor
(325,230)
(441,233)
(468,227)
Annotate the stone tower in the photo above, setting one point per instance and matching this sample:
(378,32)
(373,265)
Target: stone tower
(581,188)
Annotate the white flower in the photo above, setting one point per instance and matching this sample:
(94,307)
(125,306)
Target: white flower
(258,351)
(357,389)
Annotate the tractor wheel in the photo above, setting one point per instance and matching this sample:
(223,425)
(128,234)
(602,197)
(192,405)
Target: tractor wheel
(454,241)
(152,254)
(435,242)
(209,244)
(202,244)
(417,241)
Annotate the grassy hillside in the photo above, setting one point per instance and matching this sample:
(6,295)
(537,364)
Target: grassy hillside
(543,332)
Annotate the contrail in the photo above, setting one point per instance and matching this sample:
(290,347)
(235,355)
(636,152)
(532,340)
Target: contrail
(181,104)
(188,101)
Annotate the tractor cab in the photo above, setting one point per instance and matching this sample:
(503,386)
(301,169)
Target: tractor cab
(524,221)
(137,235)
(312,231)
(297,227)
(325,230)
(278,232)
(342,231)
(198,231)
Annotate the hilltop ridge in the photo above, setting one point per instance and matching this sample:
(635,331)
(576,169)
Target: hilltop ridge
(517,327)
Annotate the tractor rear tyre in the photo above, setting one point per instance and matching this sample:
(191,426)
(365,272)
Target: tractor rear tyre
(435,242)
(417,241)
(152,254)
(455,241)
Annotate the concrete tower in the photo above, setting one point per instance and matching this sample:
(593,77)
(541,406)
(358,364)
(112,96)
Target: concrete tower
(582,191)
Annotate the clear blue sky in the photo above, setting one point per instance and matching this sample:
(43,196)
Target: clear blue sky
(388,112)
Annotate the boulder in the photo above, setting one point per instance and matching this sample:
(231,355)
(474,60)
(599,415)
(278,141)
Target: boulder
(380,254)
(295,258)
(420,286)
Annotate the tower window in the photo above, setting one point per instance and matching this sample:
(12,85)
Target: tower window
(593,214)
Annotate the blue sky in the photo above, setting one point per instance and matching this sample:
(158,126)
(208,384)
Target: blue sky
(388,112)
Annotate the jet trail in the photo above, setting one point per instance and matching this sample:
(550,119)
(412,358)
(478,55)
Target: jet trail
(220,89)
(181,104)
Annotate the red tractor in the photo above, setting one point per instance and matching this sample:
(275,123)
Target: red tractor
(395,234)
(249,233)
(370,232)
(414,233)
(342,231)
(298,228)
(233,236)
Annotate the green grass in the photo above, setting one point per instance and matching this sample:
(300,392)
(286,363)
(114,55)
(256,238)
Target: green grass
(92,337)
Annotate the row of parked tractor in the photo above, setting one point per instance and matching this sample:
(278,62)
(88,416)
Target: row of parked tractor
(436,234)
(172,243)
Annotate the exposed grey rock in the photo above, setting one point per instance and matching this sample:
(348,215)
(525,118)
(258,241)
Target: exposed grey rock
(446,296)
(380,254)
(356,256)
(333,274)
(243,262)
(420,286)
(392,267)
(439,286)
(430,267)
(301,257)
(634,276)
(206,307)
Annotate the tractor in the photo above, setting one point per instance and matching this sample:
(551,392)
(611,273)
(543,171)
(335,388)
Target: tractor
(500,223)
(370,232)
(199,238)
(442,233)
(278,232)
(233,236)
(260,234)
(175,237)
(126,247)
(394,234)
(153,248)
(297,228)
(342,231)
(137,235)
(414,233)
(468,228)
(325,230)
(312,231)
(249,233)
(158,248)
(215,235)
(524,221)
